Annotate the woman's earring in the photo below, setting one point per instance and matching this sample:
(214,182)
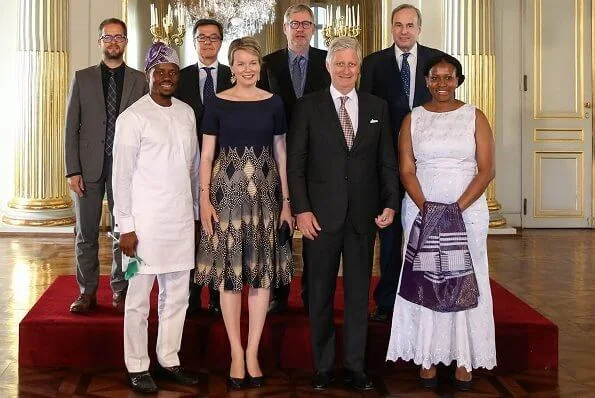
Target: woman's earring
(233,79)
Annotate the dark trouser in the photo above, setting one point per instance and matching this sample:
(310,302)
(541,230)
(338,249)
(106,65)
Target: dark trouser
(282,293)
(88,217)
(390,265)
(322,256)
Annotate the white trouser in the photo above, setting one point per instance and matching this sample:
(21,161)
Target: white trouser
(172,304)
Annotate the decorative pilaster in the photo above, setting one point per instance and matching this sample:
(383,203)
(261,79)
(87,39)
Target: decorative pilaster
(469,36)
(41,195)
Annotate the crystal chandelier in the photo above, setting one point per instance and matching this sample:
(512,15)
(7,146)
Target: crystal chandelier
(238,17)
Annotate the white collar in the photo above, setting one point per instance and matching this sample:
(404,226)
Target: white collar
(337,94)
(412,52)
(213,65)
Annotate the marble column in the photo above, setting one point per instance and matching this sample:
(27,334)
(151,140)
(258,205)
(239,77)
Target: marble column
(469,36)
(41,195)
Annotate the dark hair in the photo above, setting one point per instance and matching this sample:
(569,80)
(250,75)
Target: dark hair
(110,21)
(205,22)
(449,59)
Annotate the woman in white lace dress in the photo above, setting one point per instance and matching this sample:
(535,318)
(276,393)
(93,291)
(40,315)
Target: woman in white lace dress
(446,152)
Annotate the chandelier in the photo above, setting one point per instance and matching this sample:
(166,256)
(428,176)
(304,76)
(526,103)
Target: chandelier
(341,23)
(238,17)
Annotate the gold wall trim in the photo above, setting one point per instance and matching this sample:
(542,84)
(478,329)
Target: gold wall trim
(539,79)
(578,157)
(565,136)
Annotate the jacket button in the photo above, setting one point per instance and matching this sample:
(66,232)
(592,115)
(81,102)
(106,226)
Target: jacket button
(346,178)
(102,141)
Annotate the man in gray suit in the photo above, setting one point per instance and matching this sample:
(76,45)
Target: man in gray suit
(98,94)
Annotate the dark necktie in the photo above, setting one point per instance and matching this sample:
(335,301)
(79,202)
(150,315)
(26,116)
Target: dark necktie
(345,121)
(208,91)
(405,73)
(112,113)
(297,76)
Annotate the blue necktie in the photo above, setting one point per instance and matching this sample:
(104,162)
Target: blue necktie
(112,113)
(297,76)
(208,91)
(405,74)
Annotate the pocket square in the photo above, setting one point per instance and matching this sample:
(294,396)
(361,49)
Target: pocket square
(373,121)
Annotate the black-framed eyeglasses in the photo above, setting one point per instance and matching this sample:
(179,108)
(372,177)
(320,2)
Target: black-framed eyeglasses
(210,39)
(304,24)
(111,38)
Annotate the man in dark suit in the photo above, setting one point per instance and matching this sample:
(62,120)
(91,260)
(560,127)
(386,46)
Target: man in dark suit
(198,84)
(402,85)
(291,73)
(342,177)
(98,94)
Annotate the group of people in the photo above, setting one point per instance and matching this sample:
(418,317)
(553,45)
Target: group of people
(209,169)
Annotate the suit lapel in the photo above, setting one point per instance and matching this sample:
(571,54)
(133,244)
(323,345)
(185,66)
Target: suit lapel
(335,128)
(363,120)
(195,87)
(98,88)
(312,74)
(420,81)
(285,77)
(223,79)
(126,89)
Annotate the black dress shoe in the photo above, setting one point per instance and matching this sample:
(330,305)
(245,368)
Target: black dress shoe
(178,375)
(322,380)
(381,315)
(357,381)
(142,382)
(277,306)
(234,383)
(84,303)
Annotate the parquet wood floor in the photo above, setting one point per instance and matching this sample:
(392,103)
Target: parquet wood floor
(552,270)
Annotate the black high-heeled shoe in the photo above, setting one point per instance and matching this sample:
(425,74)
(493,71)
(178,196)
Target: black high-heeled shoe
(257,381)
(463,385)
(235,383)
(429,383)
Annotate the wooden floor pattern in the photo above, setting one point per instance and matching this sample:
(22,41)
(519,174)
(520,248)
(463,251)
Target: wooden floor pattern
(551,270)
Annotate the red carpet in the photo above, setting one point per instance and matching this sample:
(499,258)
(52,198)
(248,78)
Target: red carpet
(50,335)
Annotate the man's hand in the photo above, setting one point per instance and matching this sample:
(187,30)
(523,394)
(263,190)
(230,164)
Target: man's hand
(128,243)
(385,219)
(76,184)
(308,225)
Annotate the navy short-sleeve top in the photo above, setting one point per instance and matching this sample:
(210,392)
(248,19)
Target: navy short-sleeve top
(245,123)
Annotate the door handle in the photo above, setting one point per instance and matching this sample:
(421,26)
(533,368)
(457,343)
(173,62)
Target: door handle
(588,105)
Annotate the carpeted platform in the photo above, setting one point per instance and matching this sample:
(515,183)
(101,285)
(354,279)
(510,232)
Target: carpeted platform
(50,335)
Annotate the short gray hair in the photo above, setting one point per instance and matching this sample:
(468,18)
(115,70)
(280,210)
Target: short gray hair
(343,43)
(297,8)
(404,7)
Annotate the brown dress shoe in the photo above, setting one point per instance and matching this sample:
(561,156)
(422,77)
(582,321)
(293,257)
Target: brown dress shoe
(118,301)
(83,304)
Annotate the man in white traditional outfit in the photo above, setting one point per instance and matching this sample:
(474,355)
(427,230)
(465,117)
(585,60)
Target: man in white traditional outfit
(155,186)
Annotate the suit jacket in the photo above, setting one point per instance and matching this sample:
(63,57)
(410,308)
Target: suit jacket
(84,131)
(331,181)
(276,78)
(381,76)
(189,89)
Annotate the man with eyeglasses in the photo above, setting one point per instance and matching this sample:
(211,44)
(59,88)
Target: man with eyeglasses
(98,94)
(293,72)
(198,84)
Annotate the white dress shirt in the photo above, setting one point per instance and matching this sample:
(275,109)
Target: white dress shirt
(202,76)
(412,60)
(351,105)
(155,183)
